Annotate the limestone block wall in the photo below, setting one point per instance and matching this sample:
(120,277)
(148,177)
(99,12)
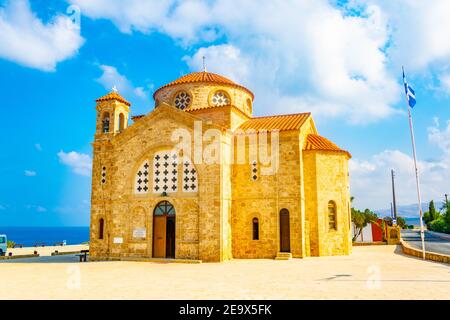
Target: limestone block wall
(199,224)
(327,179)
(263,198)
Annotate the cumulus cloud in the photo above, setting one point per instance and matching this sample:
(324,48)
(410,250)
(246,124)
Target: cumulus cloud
(295,56)
(371,180)
(80,163)
(111,77)
(26,40)
(418,29)
(30,173)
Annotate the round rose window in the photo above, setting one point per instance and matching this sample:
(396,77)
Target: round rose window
(182,100)
(220,99)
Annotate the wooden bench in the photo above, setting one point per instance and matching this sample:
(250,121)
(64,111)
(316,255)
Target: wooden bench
(18,245)
(83,255)
(39,244)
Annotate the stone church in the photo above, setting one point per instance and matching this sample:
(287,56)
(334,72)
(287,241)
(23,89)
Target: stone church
(240,187)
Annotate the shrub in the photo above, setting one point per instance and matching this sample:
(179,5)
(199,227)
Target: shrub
(10,244)
(439,225)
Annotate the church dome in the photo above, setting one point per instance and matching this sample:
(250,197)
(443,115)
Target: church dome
(205,78)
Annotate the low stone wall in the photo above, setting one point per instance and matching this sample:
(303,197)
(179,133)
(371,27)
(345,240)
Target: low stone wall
(428,255)
(377,243)
(19,256)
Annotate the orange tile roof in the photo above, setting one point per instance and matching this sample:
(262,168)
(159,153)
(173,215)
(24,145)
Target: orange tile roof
(278,122)
(113,96)
(137,117)
(316,142)
(204,77)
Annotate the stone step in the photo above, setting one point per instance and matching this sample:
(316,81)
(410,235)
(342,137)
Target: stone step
(283,256)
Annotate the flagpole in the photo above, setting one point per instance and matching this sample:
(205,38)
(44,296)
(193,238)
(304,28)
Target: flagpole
(419,198)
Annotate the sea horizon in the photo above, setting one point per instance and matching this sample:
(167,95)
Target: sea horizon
(29,236)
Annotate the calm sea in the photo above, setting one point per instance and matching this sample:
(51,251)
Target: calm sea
(28,236)
(413,221)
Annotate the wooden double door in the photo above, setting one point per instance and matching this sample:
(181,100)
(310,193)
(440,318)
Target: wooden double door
(164,230)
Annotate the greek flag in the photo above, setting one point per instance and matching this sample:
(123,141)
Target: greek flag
(410,94)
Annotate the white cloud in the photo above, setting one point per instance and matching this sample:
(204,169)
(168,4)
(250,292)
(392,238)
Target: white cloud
(80,163)
(26,40)
(371,180)
(296,56)
(418,29)
(224,59)
(445,82)
(30,173)
(37,208)
(111,77)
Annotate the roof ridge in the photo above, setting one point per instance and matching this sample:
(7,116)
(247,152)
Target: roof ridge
(113,96)
(282,115)
(315,141)
(204,77)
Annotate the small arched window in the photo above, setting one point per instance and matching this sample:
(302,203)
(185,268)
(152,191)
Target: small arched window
(121,122)
(105,122)
(255,224)
(220,99)
(249,106)
(101,227)
(332,215)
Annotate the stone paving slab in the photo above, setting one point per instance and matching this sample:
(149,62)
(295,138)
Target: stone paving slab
(373,272)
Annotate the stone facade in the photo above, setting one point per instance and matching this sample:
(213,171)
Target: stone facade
(224,201)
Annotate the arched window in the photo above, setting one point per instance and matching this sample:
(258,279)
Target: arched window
(331,215)
(164,208)
(121,122)
(101,227)
(220,99)
(249,106)
(255,224)
(105,122)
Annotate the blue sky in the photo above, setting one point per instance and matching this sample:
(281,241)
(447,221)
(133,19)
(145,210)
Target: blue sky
(339,59)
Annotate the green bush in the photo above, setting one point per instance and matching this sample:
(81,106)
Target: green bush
(439,225)
(10,244)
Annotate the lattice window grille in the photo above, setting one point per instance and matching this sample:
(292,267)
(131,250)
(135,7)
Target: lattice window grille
(142,178)
(165,172)
(190,179)
(103,175)
(254,170)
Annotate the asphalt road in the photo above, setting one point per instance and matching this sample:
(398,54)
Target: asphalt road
(432,243)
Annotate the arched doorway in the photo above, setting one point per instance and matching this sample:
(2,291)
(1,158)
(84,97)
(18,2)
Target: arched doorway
(164,230)
(285,235)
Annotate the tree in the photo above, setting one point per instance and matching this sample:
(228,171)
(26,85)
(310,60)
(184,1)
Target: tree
(401,222)
(434,214)
(361,219)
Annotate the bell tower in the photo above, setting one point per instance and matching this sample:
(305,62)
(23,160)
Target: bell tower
(112,115)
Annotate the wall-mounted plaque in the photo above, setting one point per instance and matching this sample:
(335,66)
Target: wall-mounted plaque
(118,240)
(139,233)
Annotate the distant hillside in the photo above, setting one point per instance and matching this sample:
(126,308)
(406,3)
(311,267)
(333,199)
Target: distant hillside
(408,211)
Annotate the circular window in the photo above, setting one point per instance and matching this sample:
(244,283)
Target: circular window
(220,99)
(182,100)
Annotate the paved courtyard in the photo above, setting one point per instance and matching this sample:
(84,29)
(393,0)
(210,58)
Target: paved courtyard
(376,272)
